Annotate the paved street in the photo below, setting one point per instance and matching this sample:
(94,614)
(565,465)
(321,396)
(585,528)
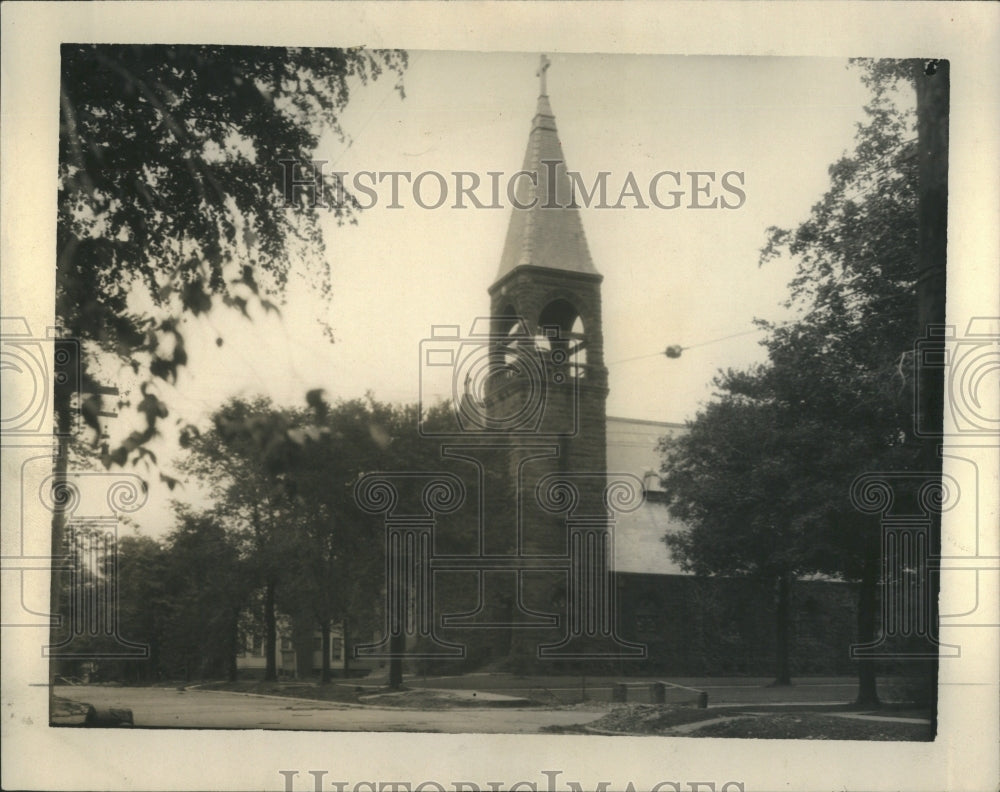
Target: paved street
(168,707)
(192,708)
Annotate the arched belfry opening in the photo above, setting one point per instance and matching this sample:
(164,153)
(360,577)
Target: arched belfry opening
(562,336)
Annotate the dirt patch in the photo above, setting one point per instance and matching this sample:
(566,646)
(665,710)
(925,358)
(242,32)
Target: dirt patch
(814,726)
(672,720)
(439,699)
(639,719)
(373,696)
(65,712)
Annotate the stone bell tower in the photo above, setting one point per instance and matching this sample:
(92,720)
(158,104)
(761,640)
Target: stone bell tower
(546,316)
(543,567)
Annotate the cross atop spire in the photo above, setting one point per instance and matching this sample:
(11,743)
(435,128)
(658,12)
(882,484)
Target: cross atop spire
(543,66)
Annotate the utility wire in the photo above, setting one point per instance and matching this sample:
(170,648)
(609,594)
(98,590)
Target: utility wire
(726,338)
(675,350)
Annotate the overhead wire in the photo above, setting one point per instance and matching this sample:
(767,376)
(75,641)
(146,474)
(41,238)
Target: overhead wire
(678,348)
(674,350)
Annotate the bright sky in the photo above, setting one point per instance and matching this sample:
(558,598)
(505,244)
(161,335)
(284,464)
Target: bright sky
(681,276)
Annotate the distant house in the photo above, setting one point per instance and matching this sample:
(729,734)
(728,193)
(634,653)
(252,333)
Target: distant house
(302,661)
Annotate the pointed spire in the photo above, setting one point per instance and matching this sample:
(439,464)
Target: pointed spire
(550,233)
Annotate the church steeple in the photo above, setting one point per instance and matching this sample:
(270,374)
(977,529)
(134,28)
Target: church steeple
(545,228)
(548,385)
(546,301)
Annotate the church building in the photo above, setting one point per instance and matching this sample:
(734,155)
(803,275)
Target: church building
(651,616)
(556,561)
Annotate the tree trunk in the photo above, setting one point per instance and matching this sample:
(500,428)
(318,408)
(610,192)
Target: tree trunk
(62,398)
(270,632)
(324,674)
(345,627)
(397,645)
(867,618)
(782,618)
(151,670)
(933,106)
(397,627)
(234,639)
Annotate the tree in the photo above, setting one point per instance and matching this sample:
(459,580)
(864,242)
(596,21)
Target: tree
(872,283)
(179,598)
(933,86)
(334,543)
(240,459)
(143,607)
(206,588)
(170,202)
(86,601)
(283,481)
(727,480)
(338,549)
(171,190)
(835,387)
